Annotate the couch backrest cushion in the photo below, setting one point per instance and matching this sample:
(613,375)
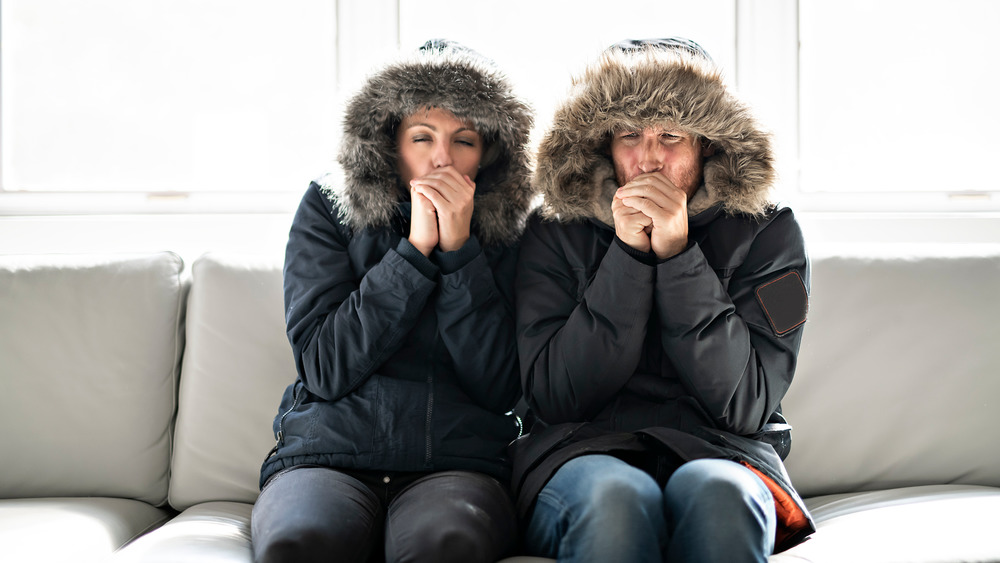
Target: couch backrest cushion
(898,381)
(89,354)
(237,362)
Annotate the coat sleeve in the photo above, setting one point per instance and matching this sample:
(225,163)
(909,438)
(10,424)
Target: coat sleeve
(726,352)
(580,338)
(475,314)
(342,328)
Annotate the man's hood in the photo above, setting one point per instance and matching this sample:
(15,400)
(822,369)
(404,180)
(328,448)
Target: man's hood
(639,86)
(451,77)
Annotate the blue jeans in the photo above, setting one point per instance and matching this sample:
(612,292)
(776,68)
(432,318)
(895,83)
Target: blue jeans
(599,508)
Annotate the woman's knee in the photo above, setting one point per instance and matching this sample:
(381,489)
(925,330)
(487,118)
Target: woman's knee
(451,516)
(308,513)
(305,544)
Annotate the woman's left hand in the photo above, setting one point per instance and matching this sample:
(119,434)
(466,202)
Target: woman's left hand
(451,194)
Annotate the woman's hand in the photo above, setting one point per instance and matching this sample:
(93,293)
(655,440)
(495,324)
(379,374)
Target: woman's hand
(664,204)
(451,195)
(423,223)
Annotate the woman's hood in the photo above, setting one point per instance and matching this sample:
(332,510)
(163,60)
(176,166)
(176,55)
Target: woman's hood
(643,85)
(451,77)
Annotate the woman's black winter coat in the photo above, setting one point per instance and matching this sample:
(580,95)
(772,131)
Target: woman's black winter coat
(406,362)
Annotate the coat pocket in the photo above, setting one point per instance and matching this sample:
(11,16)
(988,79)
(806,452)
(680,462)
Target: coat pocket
(778,433)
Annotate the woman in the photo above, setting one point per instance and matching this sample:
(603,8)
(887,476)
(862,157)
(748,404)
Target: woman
(398,301)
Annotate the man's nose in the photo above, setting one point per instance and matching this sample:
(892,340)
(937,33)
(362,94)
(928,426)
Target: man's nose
(650,155)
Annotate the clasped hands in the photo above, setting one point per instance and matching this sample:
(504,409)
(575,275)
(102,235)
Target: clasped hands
(650,215)
(441,210)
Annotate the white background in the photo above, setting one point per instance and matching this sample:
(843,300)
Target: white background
(137,125)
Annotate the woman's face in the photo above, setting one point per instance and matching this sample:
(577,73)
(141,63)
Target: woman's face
(434,138)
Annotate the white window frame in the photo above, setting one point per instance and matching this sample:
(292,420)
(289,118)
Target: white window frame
(368,32)
(768,77)
(372,24)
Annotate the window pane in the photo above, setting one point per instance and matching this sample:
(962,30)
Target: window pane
(154,95)
(898,95)
(540,45)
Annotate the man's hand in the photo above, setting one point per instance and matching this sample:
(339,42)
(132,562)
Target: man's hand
(631,225)
(423,223)
(451,195)
(664,204)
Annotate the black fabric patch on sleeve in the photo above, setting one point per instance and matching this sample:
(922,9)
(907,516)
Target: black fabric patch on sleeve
(785,302)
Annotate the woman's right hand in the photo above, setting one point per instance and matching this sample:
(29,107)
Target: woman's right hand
(423,223)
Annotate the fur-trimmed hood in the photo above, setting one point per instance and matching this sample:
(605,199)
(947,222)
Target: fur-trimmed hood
(641,85)
(450,77)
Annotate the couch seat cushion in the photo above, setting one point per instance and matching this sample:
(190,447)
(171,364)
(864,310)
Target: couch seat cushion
(935,523)
(214,531)
(72,529)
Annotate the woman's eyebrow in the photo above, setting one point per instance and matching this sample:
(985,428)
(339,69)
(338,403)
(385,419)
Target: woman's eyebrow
(421,124)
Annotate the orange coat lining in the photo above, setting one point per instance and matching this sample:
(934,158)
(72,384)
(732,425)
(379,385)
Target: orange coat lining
(791,518)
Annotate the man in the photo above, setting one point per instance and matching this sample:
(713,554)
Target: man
(660,300)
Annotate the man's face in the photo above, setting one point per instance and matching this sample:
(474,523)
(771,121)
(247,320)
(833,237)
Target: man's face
(675,154)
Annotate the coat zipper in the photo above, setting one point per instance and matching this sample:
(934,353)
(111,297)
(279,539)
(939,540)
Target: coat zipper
(428,423)
(430,412)
(281,422)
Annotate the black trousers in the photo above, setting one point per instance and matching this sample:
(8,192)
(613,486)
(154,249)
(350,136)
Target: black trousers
(311,513)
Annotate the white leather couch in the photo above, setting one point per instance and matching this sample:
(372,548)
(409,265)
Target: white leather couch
(136,399)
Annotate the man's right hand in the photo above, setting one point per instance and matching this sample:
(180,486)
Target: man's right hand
(631,226)
(665,205)
(423,223)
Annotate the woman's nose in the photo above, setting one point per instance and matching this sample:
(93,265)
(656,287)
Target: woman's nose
(441,156)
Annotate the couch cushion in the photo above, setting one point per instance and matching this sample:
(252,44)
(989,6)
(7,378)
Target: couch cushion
(72,529)
(897,383)
(237,362)
(90,349)
(216,531)
(913,524)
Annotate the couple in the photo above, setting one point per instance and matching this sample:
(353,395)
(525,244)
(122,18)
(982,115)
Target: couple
(649,315)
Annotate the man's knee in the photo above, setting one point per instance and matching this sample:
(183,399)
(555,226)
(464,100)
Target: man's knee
(719,484)
(625,492)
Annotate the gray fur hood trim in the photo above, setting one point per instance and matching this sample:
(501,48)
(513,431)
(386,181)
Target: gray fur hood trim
(456,80)
(635,89)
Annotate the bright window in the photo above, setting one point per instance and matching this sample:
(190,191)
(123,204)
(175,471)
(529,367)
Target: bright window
(899,96)
(182,104)
(199,96)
